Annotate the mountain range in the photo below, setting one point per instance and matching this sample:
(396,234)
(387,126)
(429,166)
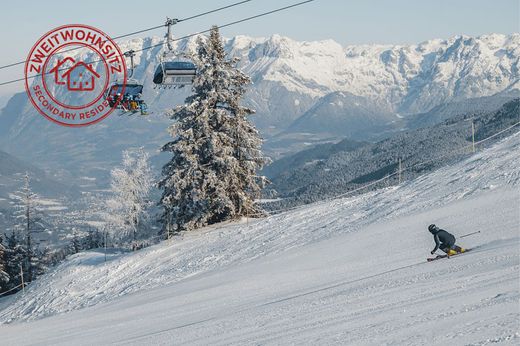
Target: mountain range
(305,93)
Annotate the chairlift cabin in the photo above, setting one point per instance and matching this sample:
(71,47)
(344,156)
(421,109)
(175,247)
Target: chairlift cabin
(176,73)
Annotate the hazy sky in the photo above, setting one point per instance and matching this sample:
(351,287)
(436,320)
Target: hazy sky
(346,21)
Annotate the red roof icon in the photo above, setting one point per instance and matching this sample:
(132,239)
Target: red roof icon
(77,77)
(56,69)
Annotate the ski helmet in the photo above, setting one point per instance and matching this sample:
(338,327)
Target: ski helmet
(432,228)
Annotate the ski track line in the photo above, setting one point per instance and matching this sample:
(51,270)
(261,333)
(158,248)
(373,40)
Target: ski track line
(424,277)
(334,300)
(311,322)
(272,302)
(292,297)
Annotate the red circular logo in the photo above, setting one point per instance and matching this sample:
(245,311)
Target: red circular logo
(73,67)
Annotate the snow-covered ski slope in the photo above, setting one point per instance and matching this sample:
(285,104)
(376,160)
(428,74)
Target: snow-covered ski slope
(351,271)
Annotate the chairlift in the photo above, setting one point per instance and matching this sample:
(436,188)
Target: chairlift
(131,100)
(176,72)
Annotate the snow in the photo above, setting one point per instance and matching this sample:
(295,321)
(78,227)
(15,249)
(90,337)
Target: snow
(268,200)
(402,79)
(347,271)
(56,208)
(398,75)
(95,224)
(48,202)
(412,78)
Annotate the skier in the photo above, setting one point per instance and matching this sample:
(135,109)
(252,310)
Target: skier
(445,241)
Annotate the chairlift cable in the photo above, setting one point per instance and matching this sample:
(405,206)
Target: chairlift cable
(187,36)
(229,24)
(212,11)
(144,30)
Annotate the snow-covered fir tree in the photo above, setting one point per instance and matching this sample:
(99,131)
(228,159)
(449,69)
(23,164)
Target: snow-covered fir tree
(28,223)
(15,255)
(212,175)
(75,242)
(131,185)
(93,240)
(4,276)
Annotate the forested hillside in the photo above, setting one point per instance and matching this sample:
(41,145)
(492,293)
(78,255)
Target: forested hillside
(326,172)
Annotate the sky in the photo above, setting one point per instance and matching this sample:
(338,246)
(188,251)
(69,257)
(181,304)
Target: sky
(345,21)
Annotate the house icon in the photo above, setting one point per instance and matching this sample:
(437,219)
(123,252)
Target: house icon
(80,77)
(56,70)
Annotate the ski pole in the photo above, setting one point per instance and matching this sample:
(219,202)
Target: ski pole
(465,235)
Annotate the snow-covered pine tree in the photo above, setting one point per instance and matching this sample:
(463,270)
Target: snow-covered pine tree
(93,240)
(75,243)
(28,222)
(131,185)
(43,260)
(212,175)
(4,277)
(15,255)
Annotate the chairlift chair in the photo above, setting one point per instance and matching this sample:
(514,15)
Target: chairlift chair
(176,72)
(131,100)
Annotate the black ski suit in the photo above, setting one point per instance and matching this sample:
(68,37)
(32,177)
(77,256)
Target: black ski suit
(443,240)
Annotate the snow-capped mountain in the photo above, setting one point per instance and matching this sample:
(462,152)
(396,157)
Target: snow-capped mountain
(404,79)
(290,78)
